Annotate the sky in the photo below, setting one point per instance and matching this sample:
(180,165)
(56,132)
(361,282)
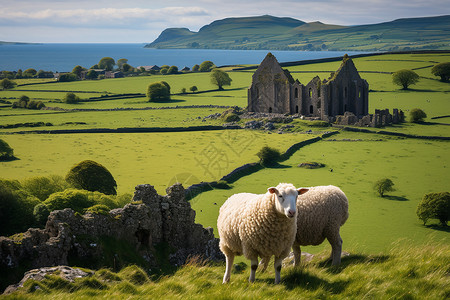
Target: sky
(141,21)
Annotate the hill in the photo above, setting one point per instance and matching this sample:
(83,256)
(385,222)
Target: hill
(269,32)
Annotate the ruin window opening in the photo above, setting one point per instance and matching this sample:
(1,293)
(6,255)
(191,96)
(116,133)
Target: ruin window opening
(345,92)
(296,109)
(296,92)
(310,92)
(359,94)
(270,110)
(143,237)
(311,109)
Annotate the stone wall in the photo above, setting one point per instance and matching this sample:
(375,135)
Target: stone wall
(152,220)
(380,118)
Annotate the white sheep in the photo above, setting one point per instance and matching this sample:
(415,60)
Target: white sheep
(258,226)
(321,213)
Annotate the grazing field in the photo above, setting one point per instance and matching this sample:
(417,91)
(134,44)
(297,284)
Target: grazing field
(354,162)
(404,272)
(139,158)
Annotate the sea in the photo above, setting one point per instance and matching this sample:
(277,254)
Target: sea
(64,57)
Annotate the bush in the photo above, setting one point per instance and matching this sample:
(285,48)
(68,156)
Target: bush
(77,200)
(442,70)
(67,77)
(71,98)
(42,187)
(92,176)
(158,91)
(6,152)
(268,156)
(417,115)
(183,90)
(41,213)
(99,209)
(173,70)
(382,186)
(195,68)
(434,206)
(7,84)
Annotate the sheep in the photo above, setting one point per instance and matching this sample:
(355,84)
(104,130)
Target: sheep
(258,226)
(321,211)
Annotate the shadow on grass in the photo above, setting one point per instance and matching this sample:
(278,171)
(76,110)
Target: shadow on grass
(168,101)
(352,259)
(396,198)
(439,227)
(300,278)
(277,166)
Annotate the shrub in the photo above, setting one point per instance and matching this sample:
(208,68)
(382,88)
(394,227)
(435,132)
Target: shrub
(92,176)
(6,152)
(382,186)
(434,206)
(417,115)
(164,71)
(41,213)
(195,68)
(173,70)
(7,84)
(77,200)
(67,77)
(42,187)
(230,116)
(183,90)
(268,156)
(99,209)
(71,98)
(158,91)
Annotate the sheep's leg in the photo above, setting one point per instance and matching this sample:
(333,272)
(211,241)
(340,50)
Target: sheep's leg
(277,266)
(229,262)
(297,254)
(336,249)
(254,266)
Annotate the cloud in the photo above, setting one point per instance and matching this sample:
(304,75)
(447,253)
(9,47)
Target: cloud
(100,17)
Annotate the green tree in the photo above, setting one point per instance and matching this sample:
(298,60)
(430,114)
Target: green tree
(164,71)
(434,206)
(92,176)
(41,213)
(158,91)
(442,70)
(71,98)
(173,70)
(67,77)
(7,84)
(107,63)
(77,70)
(127,68)
(405,78)
(417,115)
(28,73)
(91,74)
(6,152)
(94,67)
(195,68)
(193,88)
(167,85)
(220,78)
(121,62)
(206,66)
(23,101)
(382,186)
(268,156)
(183,90)
(19,74)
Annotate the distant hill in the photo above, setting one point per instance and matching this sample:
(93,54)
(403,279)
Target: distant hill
(268,32)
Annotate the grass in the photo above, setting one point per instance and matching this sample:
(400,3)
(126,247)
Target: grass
(156,158)
(404,272)
(357,161)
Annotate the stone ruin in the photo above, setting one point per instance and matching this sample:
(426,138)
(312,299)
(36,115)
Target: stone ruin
(151,220)
(379,119)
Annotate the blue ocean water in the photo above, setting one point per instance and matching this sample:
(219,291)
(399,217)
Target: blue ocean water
(63,57)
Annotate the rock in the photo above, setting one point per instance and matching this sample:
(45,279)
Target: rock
(269,126)
(65,272)
(311,165)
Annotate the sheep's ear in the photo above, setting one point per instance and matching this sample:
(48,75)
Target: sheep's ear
(272,190)
(301,191)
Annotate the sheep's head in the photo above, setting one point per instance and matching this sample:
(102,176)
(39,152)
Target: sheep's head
(285,199)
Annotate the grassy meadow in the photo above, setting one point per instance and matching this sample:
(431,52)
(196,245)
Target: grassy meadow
(392,255)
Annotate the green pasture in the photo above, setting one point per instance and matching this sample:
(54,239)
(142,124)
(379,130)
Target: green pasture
(160,159)
(354,161)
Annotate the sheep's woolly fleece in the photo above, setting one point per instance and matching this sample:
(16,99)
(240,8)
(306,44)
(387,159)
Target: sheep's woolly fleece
(249,224)
(321,212)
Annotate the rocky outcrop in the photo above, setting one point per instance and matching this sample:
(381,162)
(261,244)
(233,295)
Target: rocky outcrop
(149,220)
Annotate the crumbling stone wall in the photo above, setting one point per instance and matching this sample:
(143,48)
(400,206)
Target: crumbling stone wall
(168,219)
(379,119)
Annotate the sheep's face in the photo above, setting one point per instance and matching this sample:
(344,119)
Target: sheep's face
(285,199)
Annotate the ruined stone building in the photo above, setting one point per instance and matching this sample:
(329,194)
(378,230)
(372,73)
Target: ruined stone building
(273,90)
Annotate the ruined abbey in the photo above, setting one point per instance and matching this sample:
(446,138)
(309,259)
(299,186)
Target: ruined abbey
(273,90)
